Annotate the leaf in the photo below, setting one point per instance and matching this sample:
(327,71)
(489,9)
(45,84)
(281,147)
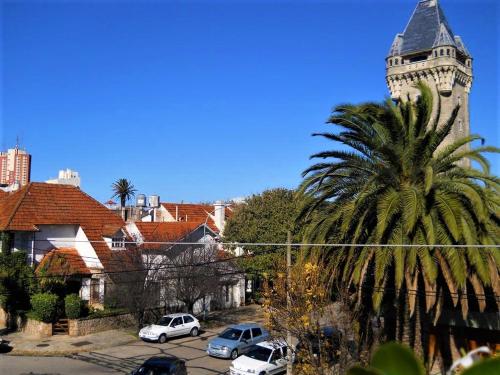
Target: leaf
(488,366)
(429,174)
(396,359)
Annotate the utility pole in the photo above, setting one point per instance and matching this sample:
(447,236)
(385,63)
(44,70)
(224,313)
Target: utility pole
(288,300)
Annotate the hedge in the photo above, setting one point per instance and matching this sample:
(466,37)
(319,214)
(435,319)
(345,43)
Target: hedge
(73,306)
(44,306)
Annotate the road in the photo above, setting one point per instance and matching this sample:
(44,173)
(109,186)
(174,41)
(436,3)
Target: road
(120,359)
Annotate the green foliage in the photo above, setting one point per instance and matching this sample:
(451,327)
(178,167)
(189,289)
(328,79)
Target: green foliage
(44,306)
(391,359)
(16,282)
(488,366)
(401,181)
(397,359)
(73,306)
(265,217)
(123,189)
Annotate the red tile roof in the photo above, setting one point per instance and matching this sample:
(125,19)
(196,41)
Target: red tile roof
(165,231)
(62,262)
(40,203)
(190,212)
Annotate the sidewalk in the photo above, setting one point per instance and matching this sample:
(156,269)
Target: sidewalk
(63,345)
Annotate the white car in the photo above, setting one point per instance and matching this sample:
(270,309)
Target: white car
(170,326)
(265,358)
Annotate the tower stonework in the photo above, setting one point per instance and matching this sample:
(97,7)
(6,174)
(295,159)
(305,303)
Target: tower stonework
(428,51)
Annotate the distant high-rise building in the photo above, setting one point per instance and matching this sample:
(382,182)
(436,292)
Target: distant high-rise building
(66,177)
(15,166)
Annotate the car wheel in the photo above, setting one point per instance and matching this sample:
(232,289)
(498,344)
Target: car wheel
(262,373)
(234,354)
(162,339)
(195,331)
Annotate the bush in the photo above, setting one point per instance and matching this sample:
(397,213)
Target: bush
(73,306)
(44,306)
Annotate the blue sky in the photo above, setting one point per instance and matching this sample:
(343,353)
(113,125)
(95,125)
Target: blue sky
(206,100)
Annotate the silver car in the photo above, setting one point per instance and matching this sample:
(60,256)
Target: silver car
(236,340)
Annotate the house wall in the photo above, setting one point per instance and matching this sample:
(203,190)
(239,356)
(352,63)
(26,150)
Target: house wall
(86,251)
(81,327)
(37,244)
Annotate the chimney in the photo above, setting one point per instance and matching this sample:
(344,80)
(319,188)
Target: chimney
(220,215)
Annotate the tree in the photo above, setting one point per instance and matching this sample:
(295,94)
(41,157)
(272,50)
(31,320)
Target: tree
(263,218)
(302,307)
(123,189)
(17,281)
(399,184)
(195,274)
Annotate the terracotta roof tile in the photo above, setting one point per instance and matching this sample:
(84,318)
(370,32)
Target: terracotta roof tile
(63,261)
(191,212)
(165,231)
(45,204)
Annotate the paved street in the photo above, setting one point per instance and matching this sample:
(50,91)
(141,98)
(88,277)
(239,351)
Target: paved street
(120,359)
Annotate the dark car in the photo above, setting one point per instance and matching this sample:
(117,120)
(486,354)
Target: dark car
(162,366)
(326,343)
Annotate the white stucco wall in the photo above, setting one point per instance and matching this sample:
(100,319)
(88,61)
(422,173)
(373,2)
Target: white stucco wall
(38,243)
(86,251)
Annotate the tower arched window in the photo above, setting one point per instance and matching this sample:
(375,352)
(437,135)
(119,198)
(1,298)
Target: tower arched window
(441,52)
(396,61)
(390,62)
(447,51)
(435,53)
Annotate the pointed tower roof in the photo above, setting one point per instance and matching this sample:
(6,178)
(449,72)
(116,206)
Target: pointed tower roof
(427,28)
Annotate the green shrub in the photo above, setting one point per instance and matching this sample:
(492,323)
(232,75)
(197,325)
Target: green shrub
(44,306)
(73,306)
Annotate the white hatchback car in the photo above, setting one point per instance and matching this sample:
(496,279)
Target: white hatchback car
(265,358)
(170,326)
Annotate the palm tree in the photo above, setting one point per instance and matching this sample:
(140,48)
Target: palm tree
(397,183)
(123,189)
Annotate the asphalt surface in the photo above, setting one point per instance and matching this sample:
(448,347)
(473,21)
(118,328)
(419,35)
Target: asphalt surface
(120,359)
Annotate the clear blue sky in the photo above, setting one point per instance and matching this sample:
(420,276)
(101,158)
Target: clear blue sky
(206,100)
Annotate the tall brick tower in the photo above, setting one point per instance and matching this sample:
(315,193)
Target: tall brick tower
(428,51)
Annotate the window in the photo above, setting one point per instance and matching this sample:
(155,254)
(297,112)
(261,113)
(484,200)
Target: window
(284,349)
(447,51)
(441,52)
(390,62)
(396,61)
(246,335)
(435,53)
(276,355)
(453,52)
(118,243)
(256,332)
(188,319)
(176,322)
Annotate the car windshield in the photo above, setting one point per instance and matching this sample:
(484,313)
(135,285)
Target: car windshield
(259,353)
(231,334)
(164,321)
